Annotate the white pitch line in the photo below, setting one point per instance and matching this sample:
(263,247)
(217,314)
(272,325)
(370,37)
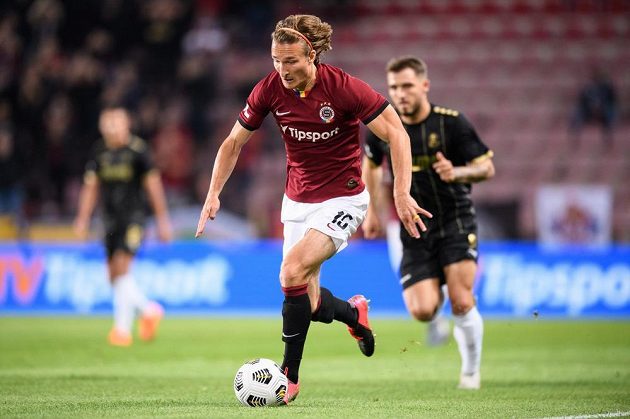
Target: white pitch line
(599,415)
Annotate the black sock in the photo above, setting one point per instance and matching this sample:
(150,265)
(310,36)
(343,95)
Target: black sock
(332,308)
(296,318)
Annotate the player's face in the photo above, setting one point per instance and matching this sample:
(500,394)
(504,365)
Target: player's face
(408,91)
(293,65)
(114,126)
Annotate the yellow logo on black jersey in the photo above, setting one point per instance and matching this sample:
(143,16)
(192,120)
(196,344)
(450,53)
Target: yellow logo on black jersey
(434,140)
(116,172)
(133,238)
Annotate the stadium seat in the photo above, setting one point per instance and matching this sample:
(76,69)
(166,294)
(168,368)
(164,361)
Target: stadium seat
(514,67)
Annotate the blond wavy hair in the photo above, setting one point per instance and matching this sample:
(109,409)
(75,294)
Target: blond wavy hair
(317,32)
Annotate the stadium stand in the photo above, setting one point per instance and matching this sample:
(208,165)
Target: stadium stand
(184,67)
(515,68)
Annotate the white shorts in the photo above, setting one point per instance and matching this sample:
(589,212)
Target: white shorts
(338,218)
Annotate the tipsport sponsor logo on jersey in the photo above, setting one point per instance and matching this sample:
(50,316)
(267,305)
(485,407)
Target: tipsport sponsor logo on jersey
(312,136)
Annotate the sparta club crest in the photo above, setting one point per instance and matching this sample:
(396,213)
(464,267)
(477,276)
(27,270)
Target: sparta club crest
(326,113)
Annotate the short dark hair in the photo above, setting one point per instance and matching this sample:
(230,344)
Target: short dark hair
(396,65)
(114,107)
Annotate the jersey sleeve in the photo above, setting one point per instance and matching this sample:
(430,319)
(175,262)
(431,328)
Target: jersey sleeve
(469,145)
(373,149)
(256,108)
(92,165)
(143,158)
(362,100)
(145,162)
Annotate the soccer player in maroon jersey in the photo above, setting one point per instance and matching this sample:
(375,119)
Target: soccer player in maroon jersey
(318,108)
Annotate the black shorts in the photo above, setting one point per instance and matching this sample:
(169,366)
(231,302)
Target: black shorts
(123,236)
(426,257)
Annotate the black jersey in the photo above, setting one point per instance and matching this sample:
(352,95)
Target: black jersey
(121,172)
(443,130)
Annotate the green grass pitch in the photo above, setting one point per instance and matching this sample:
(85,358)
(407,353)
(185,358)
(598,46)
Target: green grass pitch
(62,367)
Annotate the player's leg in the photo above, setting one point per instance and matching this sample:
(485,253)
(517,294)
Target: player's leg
(438,328)
(339,218)
(118,266)
(300,266)
(354,313)
(329,308)
(423,299)
(305,248)
(421,279)
(150,312)
(468,330)
(130,299)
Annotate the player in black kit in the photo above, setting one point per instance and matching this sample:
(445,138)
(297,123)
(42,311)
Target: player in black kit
(120,170)
(447,156)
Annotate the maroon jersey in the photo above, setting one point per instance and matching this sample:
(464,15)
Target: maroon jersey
(320,130)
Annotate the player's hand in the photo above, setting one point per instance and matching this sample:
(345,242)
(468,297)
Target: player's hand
(208,212)
(372,227)
(444,168)
(409,213)
(81,228)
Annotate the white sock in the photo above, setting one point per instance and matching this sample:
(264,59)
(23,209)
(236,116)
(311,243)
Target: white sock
(468,333)
(123,307)
(439,314)
(128,301)
(135,295)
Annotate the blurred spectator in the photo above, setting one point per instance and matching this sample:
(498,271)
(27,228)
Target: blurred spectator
(10,50)
(148,116)
(597,103)
(57,137)
(265,193)
(61,62)
(120,18)
(252,18)
(163,23)
(173,153)
(12,171)
(205,37)
(83,82)
(45,18)
(122,86)
(197,76)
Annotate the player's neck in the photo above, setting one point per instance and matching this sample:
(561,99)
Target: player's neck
(310,82)
(117,142)
(418,117)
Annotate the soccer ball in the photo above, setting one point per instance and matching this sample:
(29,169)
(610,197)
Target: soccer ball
(260,382)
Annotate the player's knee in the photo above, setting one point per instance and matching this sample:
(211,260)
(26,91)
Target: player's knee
(423,314)
(462,304)
(292,273)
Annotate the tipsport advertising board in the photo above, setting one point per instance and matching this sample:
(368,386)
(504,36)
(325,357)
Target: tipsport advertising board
(514,280)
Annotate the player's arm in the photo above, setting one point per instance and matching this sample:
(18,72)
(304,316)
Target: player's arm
(88,196)
(155,191)
(372,177)
(223,166)
(478,170)
(387,127)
